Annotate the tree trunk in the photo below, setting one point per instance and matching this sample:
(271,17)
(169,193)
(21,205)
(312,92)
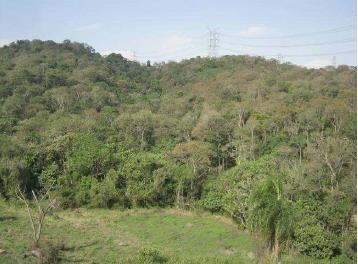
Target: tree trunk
(277,251)
(252,144)
(142,140)
(179,196)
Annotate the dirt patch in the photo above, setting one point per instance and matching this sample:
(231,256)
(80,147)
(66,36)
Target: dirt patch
(229,251)
(121,243)
(189,225)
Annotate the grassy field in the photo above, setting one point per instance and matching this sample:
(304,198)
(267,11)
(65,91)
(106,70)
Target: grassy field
(114,236)
(111,236)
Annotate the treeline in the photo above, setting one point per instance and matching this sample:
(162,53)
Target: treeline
(202,133)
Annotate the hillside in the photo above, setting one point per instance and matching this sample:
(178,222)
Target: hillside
(227,135)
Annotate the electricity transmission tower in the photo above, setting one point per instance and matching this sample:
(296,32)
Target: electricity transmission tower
(334,62)
(134,56)
(213,43)
(279,58)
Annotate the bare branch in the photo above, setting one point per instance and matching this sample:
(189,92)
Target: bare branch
(23,199)
(48,191)
(40,215)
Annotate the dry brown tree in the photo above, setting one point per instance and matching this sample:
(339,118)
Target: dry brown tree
(43,205)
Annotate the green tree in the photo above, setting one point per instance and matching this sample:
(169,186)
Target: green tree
(197,156)
(271,215)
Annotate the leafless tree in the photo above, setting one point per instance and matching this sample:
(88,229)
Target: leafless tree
(44,205)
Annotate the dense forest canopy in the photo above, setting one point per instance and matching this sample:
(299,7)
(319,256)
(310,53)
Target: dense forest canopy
(218,134)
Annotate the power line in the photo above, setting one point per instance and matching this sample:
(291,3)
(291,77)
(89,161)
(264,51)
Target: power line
(327,31)
(292,45)
(301,55)
(213,46)
(322,54)
(278,56)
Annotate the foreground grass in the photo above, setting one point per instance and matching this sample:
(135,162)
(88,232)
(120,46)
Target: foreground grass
(112,236)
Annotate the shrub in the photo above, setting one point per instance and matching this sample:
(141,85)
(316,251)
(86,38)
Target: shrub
(313,240)
(311,237)
(150,255)
(104,193)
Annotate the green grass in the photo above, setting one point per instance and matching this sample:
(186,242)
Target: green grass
(114,236)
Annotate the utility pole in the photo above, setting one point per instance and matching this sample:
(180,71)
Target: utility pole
(213,43)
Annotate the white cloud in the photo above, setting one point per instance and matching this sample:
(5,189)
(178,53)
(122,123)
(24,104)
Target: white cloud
(90,27)
(129,54)
(318,63)
(175,42)
(252,31)
(4,42)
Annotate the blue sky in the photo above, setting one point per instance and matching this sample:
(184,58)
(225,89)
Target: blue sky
(171,30)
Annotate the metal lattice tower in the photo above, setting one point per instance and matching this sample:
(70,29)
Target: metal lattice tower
(213,43)
(279,58)
(334,61)
(134,56)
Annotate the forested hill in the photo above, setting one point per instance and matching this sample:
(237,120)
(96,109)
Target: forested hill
(210,133)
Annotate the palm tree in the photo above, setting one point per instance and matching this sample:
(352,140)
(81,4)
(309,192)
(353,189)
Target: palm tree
(271,215)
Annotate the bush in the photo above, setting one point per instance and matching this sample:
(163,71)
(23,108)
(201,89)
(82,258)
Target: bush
(311,236)
(313,240)
(212,201)
(150,255)
(342,259)
(104,193)
(48,253)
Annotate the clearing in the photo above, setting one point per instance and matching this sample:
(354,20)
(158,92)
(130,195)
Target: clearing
(114,236)
(111,236)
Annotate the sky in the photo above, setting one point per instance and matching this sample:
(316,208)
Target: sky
(304,32)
